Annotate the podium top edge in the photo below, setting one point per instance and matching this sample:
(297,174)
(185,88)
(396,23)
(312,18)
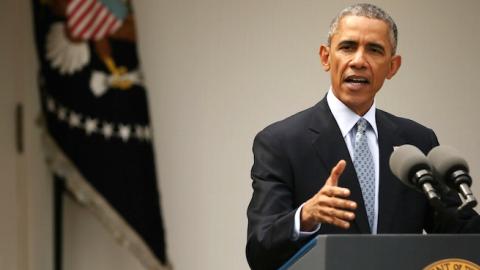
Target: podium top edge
(396,235)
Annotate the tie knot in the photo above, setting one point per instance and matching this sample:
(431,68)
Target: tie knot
(362,125)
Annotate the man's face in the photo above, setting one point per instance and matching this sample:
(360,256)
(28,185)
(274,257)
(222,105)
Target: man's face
(359,59)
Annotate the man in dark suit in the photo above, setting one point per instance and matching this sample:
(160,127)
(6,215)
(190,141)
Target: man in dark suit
(307,173)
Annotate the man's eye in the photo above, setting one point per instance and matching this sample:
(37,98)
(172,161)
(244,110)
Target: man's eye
(376,50)
(346,47)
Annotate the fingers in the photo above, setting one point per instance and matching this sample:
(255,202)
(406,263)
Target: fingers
(336,172)
(337,217)
(336,210)
(333,191)
(337,213)
(322,208)
(337,203)
(326,214)
(339,223)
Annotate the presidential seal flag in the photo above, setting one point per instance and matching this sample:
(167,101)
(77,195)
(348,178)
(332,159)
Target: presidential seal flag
(98,133)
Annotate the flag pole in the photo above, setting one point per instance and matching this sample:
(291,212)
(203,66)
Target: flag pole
(58,189)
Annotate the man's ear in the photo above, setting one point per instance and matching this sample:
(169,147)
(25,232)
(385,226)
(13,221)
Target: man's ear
(325,57)
(395,64)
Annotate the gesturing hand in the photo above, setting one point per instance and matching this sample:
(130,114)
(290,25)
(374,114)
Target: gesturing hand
(329,205)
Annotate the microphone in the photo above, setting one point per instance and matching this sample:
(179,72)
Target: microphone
(413,169)
(453,170)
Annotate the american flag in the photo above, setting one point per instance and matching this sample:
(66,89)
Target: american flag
(94,19)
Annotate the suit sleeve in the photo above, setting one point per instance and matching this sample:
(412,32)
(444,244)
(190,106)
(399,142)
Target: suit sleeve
(271,211)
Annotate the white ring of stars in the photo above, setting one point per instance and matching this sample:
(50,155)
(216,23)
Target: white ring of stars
(92,125)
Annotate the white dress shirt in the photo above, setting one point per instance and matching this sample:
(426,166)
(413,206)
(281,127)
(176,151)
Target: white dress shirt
(346,120)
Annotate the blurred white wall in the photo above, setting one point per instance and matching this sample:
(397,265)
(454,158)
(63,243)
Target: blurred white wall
(217,72)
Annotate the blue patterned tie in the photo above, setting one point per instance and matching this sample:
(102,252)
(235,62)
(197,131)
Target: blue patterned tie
(363,163)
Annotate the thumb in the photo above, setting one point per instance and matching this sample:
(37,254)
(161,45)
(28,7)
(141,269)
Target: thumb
(336,172)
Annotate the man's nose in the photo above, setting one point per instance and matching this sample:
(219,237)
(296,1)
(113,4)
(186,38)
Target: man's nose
(358,61)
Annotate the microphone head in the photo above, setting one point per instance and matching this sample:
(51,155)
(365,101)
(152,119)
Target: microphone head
(446,160)
(405,161)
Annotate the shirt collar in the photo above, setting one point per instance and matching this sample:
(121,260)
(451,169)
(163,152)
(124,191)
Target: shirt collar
(346,118)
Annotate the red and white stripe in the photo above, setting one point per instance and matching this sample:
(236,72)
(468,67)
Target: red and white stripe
(90,19)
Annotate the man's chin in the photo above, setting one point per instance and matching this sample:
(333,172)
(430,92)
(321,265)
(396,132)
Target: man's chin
(359,105)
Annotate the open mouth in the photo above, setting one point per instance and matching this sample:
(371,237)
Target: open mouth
(356,79)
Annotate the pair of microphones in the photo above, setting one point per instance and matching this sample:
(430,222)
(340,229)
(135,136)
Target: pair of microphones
(442,169)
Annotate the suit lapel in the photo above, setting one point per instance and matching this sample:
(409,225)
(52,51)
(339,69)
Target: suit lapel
(331,148)
(388,137)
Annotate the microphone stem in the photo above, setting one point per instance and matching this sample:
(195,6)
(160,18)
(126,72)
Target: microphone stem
(466,193)
(432,195)
(465,190)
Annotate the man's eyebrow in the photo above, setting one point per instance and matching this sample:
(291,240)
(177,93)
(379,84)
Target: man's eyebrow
(347,42)
(376,46)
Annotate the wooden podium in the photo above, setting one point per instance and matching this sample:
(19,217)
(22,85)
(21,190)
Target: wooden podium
(430,252)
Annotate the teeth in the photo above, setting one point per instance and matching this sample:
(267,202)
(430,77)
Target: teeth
(357,80)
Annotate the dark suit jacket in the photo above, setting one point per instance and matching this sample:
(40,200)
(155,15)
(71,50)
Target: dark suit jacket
(294,157)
